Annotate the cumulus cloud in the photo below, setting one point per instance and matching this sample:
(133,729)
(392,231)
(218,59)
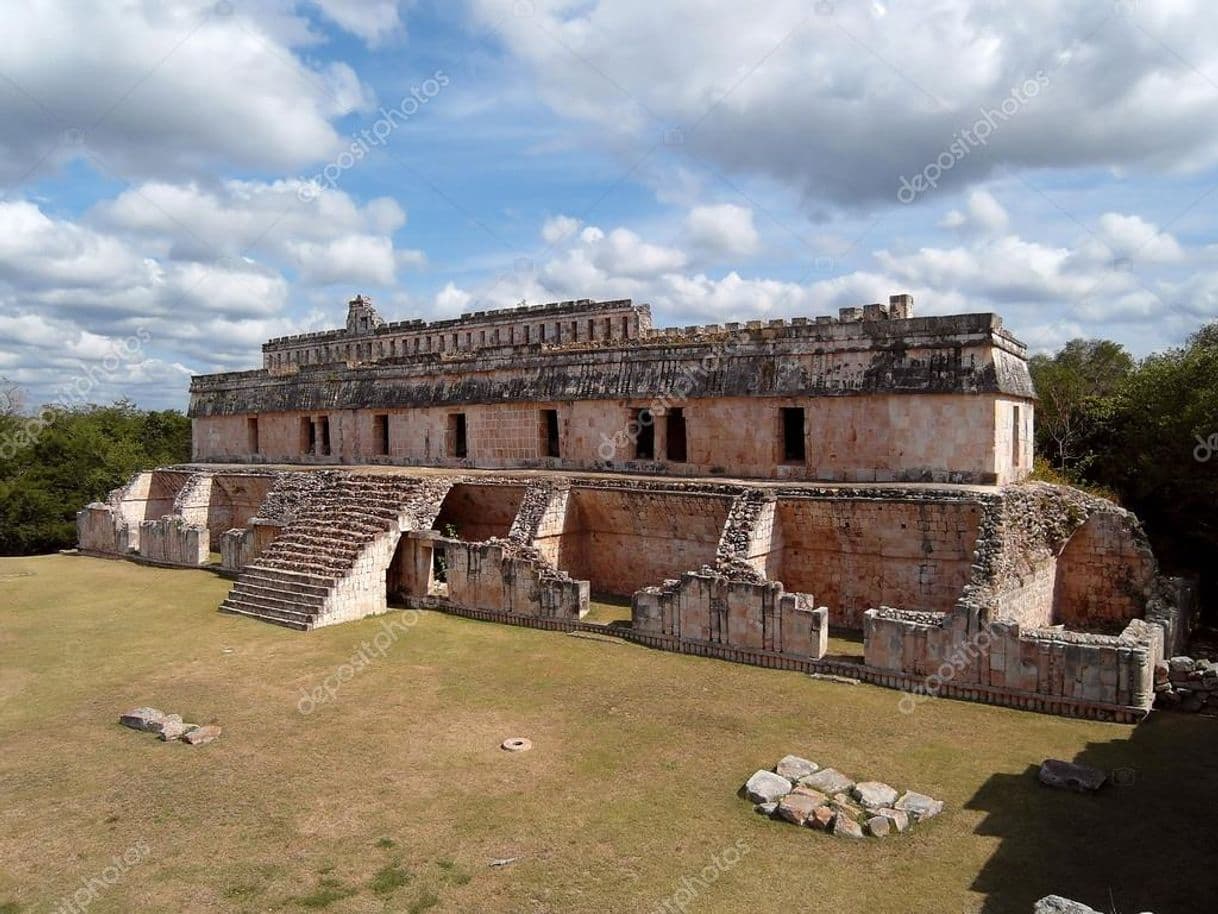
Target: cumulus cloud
(724,229)
(170,89)
(840,101)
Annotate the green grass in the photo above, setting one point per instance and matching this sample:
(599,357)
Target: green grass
(629,789)
(390,878)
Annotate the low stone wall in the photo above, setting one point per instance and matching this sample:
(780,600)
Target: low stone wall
(102,529)
(241,545)
(709,608)
(504,576)
(1049,663)
(172,541)
(1187,684)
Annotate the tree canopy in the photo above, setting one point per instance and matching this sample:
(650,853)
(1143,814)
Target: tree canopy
(53,464)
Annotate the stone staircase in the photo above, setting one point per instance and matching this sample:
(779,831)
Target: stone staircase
(326,564)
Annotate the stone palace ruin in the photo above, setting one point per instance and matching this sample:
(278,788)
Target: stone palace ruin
(749,488)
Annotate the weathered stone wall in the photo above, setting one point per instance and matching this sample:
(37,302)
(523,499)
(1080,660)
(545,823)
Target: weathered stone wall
(173,541)
(1105,573)
(1111,670)
(502,576)
(860,553)
(887,398)
(101,528)
(866,438)
(621,540)
(710,608)
(479,512)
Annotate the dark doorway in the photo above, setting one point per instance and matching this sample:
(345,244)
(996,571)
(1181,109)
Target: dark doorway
(793,448)
(380,434)
(645,443)
(458,444)
(549,432)
(676,435)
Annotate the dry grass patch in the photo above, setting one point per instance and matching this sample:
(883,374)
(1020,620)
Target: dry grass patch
(395,795)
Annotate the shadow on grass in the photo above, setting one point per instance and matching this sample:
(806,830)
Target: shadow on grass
(1140,844)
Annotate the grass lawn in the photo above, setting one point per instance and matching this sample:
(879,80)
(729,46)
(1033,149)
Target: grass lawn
(394,796)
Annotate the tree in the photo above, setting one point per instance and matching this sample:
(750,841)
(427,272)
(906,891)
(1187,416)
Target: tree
(1074,387)
(76,457)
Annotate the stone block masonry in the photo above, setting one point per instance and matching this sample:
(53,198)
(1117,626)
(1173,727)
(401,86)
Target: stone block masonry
(870,396)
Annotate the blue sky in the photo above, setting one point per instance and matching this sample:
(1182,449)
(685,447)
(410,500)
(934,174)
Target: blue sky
(1052,161)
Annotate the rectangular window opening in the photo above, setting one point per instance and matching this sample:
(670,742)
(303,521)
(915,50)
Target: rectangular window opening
(251,431)
(458,444)
(645,441)
(793,448)
(675,430)
(308,436)
(380,434)
(1015,437)
(324,422)
(549,433)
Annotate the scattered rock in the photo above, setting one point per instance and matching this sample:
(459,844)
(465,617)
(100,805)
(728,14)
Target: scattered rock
(845,827)
(821,819)
(142,718)
(827,781)
(919,806)
(879,826)
(173,727)
(167,720)
(1068,776)
(765,809)
(767,787)
(516,744)
(505,861)
(199,736)
(897,817)
(1055,904)
(792,767)
(796,808)
(874,794)
(1176,665)
(816,795)
(841,805)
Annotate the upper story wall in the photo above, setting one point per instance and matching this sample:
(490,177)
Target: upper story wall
(368,338)
(873,350)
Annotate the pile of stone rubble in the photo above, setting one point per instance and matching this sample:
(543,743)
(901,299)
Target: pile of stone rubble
(169,726)
(1187,684)
(802,793)
(1056,904)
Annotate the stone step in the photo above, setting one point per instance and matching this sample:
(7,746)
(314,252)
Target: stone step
(286,598)
(261,616)
(279,612)
(301,578)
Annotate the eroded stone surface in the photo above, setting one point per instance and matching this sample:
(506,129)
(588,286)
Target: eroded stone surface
(1069,776)
(827,781)
(792,767)
(796,808)
(145,718)
(199,736)
(874,794)
(767,787)
(919,806)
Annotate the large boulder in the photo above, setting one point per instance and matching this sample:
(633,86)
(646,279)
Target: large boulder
(792,767)
(767,787)
(173,727)
(919,806)
(822,818)
(898,817)
(874,794)
(878,826)
(142,719)
(796,808)
(828,781)
(1069,776)
(846,827)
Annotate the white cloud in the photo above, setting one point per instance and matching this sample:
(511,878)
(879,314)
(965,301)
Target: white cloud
(839,106)
(724,229)
(173,88)
(375,21)
(983,214)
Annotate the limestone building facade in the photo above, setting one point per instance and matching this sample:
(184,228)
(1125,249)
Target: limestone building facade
(738,491)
